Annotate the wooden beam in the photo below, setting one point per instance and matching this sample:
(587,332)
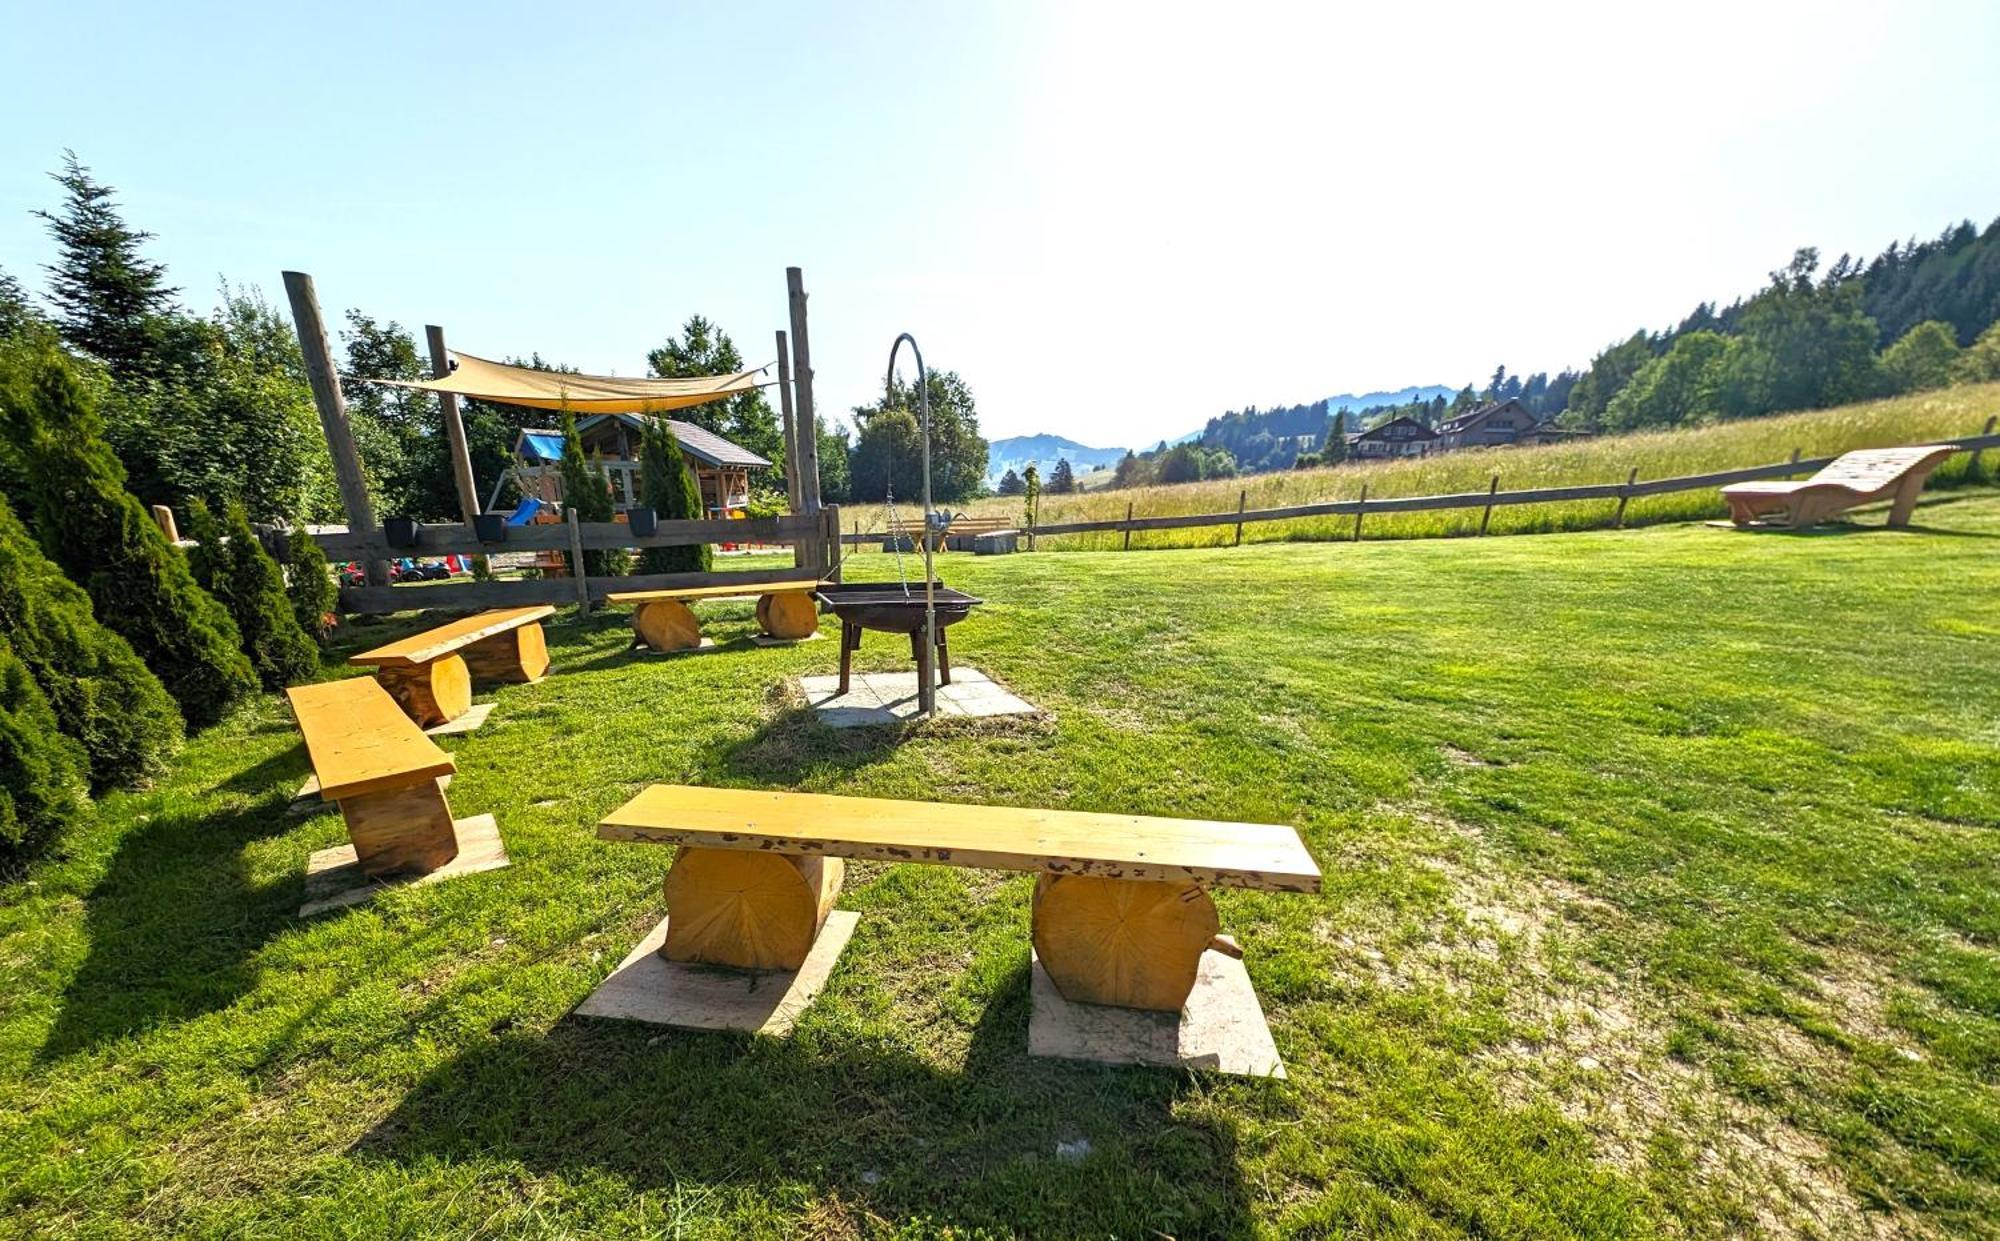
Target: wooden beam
(794,462)
(454,429)
(576,563)
(325,383)
(470,596)
(445,539)
(802,390)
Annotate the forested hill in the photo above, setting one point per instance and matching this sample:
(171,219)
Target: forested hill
(1271,439)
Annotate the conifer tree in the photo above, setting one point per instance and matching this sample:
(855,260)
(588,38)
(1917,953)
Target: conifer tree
(586,491)
(1062,479)
(1334,451)
(108,297)
(105,541)
(673,493)
(310,586)
(41,770)
(101,691)
(230,563)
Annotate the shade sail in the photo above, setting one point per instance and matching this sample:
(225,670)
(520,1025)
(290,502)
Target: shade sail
(593,394)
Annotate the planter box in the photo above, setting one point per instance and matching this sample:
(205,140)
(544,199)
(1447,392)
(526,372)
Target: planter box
(490,527)
(644,521)
(402,532)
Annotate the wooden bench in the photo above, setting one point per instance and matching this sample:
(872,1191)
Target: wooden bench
(957,536)
(1122,912)
(664,622)
(430,674)
(387,777)
(1851,480)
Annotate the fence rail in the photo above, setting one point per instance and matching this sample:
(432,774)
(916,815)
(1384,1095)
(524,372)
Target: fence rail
(1487,500)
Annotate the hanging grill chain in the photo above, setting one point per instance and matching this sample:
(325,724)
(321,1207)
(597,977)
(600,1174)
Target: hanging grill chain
(895,540)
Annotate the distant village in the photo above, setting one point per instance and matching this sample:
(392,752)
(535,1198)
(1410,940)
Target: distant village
(1494,424)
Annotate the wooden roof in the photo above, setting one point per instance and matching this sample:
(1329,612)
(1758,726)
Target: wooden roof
(1112,846)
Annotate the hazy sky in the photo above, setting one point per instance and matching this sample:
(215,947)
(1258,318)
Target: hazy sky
(1114,222)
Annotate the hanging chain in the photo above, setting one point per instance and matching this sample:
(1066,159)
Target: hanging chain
(896,540)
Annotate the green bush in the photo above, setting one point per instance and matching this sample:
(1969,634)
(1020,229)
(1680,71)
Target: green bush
(310,585)
(41,770)
(234,567)
(104,540)
(102,693)
(586,490)
(671,491)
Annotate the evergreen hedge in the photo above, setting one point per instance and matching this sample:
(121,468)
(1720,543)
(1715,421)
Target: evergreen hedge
(673,493)
(104,539)
(231,564)
(41,770)
(102,692)
(310,586)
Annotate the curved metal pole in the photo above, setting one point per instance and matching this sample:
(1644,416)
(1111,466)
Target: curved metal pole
(926,691)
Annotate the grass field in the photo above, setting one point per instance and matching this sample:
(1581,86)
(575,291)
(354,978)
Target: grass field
(1661,900)
(1924,418)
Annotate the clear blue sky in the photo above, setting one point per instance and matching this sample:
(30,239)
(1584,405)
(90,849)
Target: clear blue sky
(1114,222)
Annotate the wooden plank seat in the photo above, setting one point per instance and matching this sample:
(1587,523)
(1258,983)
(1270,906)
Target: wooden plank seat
(1122,912)
(430,674)
(387,777)
(1851,480)
(957,536)
(664,622)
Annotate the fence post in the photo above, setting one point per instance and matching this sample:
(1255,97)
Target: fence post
(1242,499)
(165,516)
(576,565)
(1359,506)
(1128,525)
(1796,454)
(1486,517)
(1625,495)
(836,556)
(1972,466)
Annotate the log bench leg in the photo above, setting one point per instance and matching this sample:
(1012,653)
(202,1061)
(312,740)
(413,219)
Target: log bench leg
(431,694)
(1133,943)
(790,614)
(746,908)
(666,625)
(519,656)
(402,830)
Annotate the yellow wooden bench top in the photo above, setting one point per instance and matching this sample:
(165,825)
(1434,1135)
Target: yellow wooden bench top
(360,741)
(436,643)
(1110,846)
(714,592)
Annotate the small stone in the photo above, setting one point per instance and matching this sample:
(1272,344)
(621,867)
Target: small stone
(1073,1151)
(1911,1054)
(1588,1064)
(871,1177)
(499,941)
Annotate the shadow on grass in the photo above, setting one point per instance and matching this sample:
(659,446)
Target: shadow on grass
(875,1125)
(796,741)
(173,924)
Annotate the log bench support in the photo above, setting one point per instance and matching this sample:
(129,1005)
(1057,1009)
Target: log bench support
(662,620)
(748,910)
(401,831)
(431,694)
(1130,943)
(430,675)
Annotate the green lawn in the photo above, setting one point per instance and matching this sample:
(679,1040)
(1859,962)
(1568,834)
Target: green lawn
(1663,897)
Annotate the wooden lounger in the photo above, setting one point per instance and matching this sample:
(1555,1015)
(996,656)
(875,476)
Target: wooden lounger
(430,674)
(1122,913)
(1853,479)
(664,622)
(386,775)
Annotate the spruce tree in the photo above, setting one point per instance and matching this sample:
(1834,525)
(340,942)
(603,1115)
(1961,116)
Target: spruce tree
(586,491)
(108,297)
(310,586)
(102,693)
(41,770)
(104,540)
(1062,479)
(673,493)
(1334,451)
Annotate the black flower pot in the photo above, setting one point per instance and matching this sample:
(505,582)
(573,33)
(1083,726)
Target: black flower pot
(490,527)
(402,532)
(644,521)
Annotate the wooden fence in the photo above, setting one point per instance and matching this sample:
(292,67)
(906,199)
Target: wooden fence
(814,533)
(1632,488)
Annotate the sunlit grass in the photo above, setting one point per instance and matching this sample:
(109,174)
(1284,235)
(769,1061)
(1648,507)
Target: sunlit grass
(1925,418)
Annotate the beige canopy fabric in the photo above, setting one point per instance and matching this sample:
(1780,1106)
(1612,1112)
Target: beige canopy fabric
(585,394)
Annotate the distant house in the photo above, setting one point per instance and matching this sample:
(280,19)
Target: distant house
(1398,437)
(1498,423)
(721,469)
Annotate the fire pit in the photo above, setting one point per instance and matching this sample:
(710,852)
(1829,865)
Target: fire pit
(890,607)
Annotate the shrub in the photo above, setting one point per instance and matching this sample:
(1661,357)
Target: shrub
(41,770)
(101,691)
(586,490)
(310,586)
(103,539)
(233,566)
(672,492)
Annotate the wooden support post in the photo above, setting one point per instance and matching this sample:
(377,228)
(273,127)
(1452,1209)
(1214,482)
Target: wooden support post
(1796,453)
(1128,525)
(1624,496)
(1242,501)
(834,555)
(1486,518)
(576,563)
(1360,510)
(401,830)
(165,516)
(454,429)
(747,908)
(1972,466)
(807,429)
(325,383)
(794,459)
